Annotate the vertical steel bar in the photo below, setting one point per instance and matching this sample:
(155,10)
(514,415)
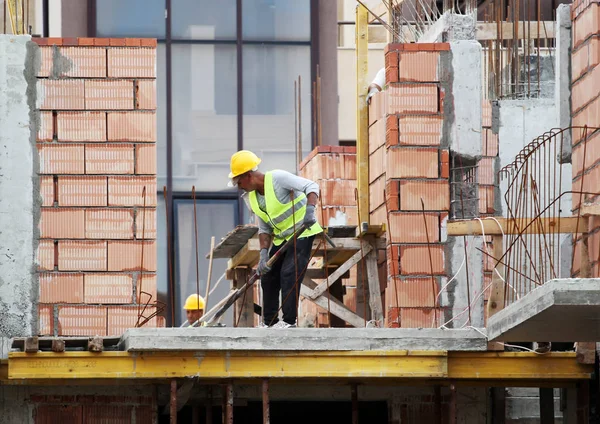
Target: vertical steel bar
(298,155)
(173,403)
(300,117)
(169,258)
(169,117)
(265,402)
(354,390)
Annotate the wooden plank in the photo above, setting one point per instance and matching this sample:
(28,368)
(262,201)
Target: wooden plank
(563,225)
(362,117)
(489,30)
(248,255)
(321,288)
(496,300)
(586,351)
(337,308)
(32,344)
(374,288)
(243,315)
(234,241)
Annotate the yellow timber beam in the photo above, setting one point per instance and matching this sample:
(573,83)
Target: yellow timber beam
(228,364)
(498,226)
(404,365)
(362,114)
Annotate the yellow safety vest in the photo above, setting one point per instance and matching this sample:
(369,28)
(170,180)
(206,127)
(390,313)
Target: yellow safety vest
(282,216)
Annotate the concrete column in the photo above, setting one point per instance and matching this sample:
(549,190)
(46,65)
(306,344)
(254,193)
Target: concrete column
(562,84)
(329,71)
(19,189)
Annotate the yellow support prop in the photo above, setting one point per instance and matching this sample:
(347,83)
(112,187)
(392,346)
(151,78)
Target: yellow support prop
(362,115)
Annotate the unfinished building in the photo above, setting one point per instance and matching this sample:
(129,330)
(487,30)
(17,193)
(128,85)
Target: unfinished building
(457,282)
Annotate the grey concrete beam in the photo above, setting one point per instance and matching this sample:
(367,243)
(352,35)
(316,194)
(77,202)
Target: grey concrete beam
(302,339)
(562,310)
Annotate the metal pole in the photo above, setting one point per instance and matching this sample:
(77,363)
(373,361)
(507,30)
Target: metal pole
(173,402)
(265,402)
(229,414)
(354,404)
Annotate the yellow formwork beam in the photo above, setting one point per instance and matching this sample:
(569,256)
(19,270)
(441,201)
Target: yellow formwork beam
(402,365)
(362,114)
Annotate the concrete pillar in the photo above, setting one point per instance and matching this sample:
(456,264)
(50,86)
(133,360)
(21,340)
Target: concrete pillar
(562,85)
(19,189)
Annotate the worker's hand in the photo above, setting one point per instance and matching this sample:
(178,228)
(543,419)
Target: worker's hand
(309,218)
(263,268)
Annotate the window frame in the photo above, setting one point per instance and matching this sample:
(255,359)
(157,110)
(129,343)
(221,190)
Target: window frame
(239,42)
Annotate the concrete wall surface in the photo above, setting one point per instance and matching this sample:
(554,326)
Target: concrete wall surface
(19,206)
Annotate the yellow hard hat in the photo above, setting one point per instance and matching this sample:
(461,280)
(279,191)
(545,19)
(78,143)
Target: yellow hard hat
(242,162)
(194,302)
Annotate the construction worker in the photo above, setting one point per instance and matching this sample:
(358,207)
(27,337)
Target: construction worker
(194,309)
(283,202)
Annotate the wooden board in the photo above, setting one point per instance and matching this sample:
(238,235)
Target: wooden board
(234,241)
(563,225)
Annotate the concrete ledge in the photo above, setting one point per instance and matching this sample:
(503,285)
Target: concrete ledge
(302,339)
(562,310)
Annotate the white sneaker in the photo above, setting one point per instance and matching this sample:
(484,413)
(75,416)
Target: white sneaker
(262,325)
(283,324)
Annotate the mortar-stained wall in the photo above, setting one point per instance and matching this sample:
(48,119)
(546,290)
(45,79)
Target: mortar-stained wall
(19,189)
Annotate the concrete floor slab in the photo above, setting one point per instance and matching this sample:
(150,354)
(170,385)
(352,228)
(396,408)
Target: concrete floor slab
(562,310)
(302,339)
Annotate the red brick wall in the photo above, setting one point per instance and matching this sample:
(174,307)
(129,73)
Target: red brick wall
(585,111)
(334,169)
(97,153)
(408,161)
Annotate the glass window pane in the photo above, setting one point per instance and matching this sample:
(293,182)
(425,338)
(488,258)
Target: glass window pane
(203,19)
(269,75)
(282,20)
(161,116)
(204,115)
(130,18)
(214,218)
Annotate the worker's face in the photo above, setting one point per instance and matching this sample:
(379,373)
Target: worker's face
(194,315)
(245,182)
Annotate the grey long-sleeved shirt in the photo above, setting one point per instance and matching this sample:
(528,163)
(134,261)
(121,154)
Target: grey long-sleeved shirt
(283,183)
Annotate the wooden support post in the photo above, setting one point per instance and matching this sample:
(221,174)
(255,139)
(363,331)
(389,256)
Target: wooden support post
(58,345)
(452,406)
(496,300)
(586,351)
(32,344)
(354,390)
(546,405)
(362,115)
(437,404)
(173,403)
(195,414)
(265,402)
(229,406)
(244,308)
(374,288)
(583,402)
(209,405)
(498,405)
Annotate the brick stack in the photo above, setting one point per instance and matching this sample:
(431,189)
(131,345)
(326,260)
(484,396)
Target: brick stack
(334,169)
(487,179)
(585,110)
(406,158)
(97,154)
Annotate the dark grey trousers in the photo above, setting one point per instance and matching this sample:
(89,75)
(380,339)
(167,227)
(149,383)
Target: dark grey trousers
(282,277)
